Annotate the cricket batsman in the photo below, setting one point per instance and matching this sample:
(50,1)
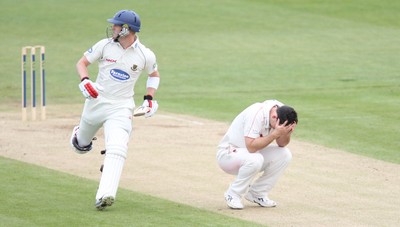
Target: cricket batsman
(109,101)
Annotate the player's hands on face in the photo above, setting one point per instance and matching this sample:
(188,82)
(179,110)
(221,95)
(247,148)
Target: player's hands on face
(89,89)
(292,127)
(283,129)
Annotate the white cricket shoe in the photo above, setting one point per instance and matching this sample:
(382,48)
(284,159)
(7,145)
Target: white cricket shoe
(233,201)
(262,201)
(104,202)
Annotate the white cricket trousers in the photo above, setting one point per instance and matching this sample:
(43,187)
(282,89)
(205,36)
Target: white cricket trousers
(271,161)
(116,118)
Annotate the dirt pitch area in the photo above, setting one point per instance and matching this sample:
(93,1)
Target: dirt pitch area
(173,157)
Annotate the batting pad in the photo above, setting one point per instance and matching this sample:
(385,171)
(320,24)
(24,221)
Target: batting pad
(111,175)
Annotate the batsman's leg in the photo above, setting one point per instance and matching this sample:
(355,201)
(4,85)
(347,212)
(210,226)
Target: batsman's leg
(92,119)
(82,136)
(117,133)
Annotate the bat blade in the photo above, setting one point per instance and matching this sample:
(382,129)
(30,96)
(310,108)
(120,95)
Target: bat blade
(140,111)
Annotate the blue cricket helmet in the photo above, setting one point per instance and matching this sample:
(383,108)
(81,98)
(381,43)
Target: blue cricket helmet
(126,17)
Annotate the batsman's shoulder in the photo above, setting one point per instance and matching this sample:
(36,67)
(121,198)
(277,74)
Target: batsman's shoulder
(103,42)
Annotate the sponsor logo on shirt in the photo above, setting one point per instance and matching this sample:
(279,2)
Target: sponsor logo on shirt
(119,74)
(111,60)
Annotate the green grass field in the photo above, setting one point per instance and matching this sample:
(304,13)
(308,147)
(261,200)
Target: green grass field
(336,62)
(35,196)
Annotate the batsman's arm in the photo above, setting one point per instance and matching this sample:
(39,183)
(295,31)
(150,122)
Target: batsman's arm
(152,84)
(82,68)
(149,103)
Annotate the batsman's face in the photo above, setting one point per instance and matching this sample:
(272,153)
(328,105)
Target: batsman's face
(116,30)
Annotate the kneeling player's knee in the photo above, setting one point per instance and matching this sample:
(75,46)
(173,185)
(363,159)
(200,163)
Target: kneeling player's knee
(286,155)
(255,162)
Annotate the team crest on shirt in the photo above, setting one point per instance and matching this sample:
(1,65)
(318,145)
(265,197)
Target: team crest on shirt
(134,68)
(119,75)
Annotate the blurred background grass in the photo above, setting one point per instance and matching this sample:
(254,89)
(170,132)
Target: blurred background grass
(336,62)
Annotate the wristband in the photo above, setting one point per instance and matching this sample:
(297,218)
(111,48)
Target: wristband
(153,82)
(84,78)
(148,97)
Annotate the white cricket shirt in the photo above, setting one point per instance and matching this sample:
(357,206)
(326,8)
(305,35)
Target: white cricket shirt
(120,68)
(252,122)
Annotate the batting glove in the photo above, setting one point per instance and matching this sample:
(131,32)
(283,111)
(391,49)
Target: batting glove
(90,89)
(151,104)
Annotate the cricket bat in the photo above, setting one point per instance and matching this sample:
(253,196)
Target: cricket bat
(140,111)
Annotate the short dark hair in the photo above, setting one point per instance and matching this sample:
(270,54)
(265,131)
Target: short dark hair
(286,113)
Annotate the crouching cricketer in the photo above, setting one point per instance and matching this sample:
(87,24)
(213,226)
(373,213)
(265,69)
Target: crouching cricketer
(256,143)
